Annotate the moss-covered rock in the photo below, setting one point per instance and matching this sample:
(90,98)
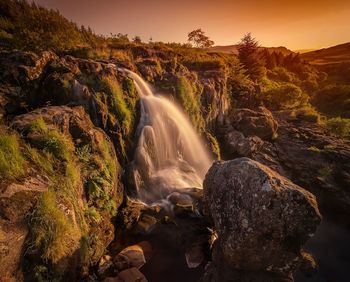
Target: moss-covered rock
(69,192)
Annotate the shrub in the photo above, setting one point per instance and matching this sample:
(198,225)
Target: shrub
(11,160)
(308,114)
(283,96)
(51,232)
(333,100)
(340,126)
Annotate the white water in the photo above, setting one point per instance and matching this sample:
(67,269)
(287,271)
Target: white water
(170,154)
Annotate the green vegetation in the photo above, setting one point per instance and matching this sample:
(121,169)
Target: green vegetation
(54,142)
(214,145)
(340,126)
(284,96)
(117,103)
(314,149)
(38,125)
(190,102)
(11,160)
(308,114)
(333,99)
(84,153)
(249,56)
(43,160)
(51,232)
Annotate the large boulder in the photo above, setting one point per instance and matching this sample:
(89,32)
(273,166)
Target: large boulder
(262,219)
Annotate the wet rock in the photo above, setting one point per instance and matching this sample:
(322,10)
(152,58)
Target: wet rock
(195,256)
(131,275)
(146,224)
(262,219)
(308,264)
(132,256)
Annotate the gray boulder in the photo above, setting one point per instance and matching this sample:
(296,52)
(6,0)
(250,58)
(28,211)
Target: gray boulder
(262,219)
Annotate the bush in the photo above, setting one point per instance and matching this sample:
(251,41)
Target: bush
(51,232)
(11,160)
(340,126)
(283,96)
(333,100)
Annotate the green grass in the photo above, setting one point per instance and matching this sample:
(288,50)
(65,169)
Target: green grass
(118,104)
(340,126)
(190,102)
(93,214)
(43,160)
(214,145)
(38,125)
(50,230)
(12,162)
(84,153)
(56,143)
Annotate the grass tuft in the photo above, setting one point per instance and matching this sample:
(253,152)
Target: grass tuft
(11,160)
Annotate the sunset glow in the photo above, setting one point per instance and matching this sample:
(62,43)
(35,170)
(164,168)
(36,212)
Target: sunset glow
(295,24)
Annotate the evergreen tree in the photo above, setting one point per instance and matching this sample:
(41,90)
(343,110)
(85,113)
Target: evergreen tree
(248,54)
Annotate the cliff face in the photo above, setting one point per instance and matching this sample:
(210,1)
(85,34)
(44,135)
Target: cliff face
(73,121)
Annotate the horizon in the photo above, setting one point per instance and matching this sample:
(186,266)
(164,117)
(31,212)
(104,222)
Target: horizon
(293,24)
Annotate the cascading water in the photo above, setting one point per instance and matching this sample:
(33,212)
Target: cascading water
(170,155)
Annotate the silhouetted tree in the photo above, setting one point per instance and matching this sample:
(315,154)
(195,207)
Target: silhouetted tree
(199,39)
(137,39)
(248,54)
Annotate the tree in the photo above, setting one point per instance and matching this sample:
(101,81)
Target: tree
(137,39)
(248,54)
(199,39)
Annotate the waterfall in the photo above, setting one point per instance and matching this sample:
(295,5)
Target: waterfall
(170,155)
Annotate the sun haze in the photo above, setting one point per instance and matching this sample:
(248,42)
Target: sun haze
(295,24)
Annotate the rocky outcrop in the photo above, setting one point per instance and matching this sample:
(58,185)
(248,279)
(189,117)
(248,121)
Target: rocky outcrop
(262,219)
(69,193)
(304,152)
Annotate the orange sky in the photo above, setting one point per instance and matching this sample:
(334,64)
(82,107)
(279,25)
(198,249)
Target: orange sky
(295,24)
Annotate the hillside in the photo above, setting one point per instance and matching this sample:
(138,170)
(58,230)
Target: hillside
(332,55)
(232,49)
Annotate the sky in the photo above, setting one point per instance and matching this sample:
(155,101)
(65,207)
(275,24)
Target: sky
(296,24)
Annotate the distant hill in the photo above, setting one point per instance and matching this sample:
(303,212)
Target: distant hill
(332,55)
(232,49)
(302,51)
